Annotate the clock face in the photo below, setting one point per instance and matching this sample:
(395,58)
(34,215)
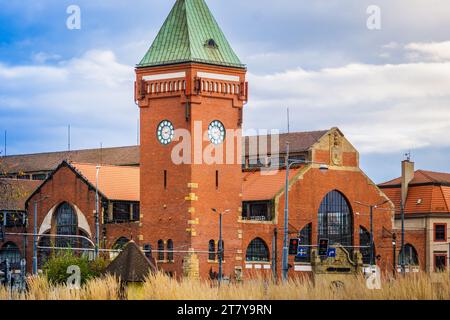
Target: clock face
(165,132)
(216,132)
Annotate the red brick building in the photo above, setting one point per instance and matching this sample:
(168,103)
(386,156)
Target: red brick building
(425,197)
(191,89)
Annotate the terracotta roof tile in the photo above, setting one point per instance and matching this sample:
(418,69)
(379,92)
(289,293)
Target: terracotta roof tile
(115,182)
(422,176)
(257,186)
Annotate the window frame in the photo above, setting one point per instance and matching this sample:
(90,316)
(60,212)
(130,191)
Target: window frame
(436,255)
(445,231)
(255,257)
(247,211)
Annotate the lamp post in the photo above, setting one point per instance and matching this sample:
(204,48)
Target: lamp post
(394,255)
(372,207)
(97,222)
(220,247)
(35,234)
(289,163)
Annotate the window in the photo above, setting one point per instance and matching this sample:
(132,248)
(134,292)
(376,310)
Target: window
(212,250)
(40,176)
(66,224)
(160,250)
(440,262)
(305,237)
(409,255)
(257,251)
(170,250)
(120,243)
(13,219)
(217,179)
(335,220)
(257,210)
(44,251)
(364,242)
(123,212)
(440,232)
(165,179)
(11,252)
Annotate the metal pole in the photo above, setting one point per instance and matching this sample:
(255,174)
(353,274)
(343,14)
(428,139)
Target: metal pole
(286,217)
(35,258)
(274,254)
(97,224)
(394,255)
(372,258)
(402,251)
(220,248)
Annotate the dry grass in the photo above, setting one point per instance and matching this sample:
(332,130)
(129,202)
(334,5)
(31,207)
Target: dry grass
(160,287)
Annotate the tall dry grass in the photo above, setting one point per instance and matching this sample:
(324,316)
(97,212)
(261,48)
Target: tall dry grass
(419,286)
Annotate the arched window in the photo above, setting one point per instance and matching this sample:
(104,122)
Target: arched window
(257,250)
(10,251)
(336,220)
(66,224)
(169,250)
(160,250)
(410,256)
(120,243)
(364,242)
(212,250)
(305,237)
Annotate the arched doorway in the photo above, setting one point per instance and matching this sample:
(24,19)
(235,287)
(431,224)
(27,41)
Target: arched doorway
(335,221)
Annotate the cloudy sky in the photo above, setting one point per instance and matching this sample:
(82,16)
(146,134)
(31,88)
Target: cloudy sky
(388,90)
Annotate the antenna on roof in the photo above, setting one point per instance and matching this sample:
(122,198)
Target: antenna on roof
(68,138)
(288,122)
(408,156)
(101,152)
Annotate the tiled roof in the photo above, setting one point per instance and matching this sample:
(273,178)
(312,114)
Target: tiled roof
(14,193)
(298,141)
(122,156)
(130,156)
(421,177)
(184,37)
(258,186)
(421,198)
(114,182)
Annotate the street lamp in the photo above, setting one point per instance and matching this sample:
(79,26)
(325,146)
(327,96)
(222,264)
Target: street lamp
(289,163)
(35,259)
(372,258)
(394,255)
(220,248)
(97,222)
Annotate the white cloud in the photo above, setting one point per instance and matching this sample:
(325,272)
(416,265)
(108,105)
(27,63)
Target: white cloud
(94,93)
(434,51)
(381,108)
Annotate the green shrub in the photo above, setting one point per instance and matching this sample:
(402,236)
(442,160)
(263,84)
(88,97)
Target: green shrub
(56,267)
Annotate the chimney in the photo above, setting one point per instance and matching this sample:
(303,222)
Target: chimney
(407,176)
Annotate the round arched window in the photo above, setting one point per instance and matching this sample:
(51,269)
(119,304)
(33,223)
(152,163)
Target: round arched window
(336,220)
(257,250)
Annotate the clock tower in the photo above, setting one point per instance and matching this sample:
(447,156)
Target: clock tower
(191,88)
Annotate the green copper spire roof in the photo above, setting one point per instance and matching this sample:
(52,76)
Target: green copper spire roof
(190,34)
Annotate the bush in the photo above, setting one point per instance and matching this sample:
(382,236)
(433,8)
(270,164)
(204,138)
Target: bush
(56,267)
